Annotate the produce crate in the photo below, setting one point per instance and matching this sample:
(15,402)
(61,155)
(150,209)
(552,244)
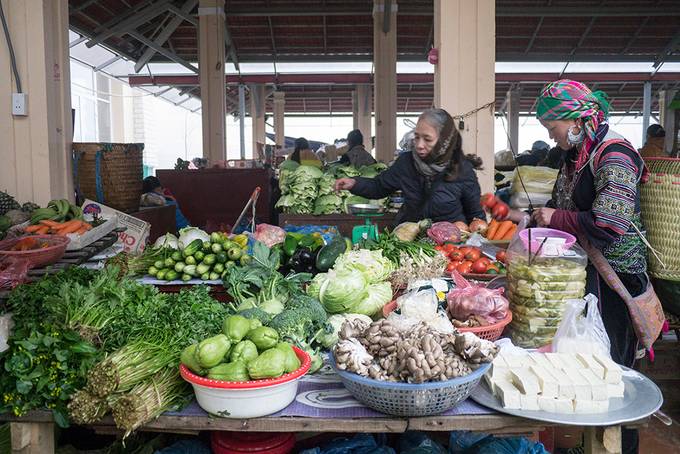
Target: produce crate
(110,173)
(344,222)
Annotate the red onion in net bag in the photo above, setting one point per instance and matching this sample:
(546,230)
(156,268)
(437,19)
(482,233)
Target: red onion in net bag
(466,300)
(442,232)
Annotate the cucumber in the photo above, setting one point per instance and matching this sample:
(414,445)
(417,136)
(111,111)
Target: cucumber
(328,254)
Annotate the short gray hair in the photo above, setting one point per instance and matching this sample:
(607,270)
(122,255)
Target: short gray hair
(436,118)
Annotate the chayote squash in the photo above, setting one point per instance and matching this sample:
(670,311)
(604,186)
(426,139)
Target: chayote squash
(235,327)
(270,364)
(292,361)
(212,351)
(245,351)
(188,358)
(263,337)
(234,371)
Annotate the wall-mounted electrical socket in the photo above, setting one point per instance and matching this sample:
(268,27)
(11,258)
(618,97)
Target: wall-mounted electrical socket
(19,104)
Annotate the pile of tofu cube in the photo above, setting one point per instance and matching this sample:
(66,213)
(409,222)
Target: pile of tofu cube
(555,382)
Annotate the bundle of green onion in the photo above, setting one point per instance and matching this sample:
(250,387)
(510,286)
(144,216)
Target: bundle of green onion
(131,364)
(85,408)
(148,399)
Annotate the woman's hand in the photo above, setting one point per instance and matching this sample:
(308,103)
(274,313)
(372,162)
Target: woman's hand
(345,184)
(542,216)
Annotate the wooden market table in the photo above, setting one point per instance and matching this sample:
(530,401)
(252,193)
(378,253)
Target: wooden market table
(34,433)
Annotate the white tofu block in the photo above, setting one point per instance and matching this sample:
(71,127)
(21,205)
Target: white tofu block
(565,387)
(546,382)
(584,406)
(540,359)
(525,381)
(508,394)
(589,361)
(569,362)
(601,406)
(581,386)
(497,371)
(528,402)
(489,382)
(554,359)
(513,360)
(564,406)
(598,387)
(616,390)
(500,361)
(612,371)
(547,404)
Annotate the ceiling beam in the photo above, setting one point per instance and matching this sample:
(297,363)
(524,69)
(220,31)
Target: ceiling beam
(633,38)
(501,11)
(183,14)
(164,35)
(130,23)
(163,51)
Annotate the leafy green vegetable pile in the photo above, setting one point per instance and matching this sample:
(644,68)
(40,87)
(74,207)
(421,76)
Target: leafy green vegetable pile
(306,190)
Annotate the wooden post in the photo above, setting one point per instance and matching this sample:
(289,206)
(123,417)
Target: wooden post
(362,105)
(385,78)
(464,34)
(32,438)
(257,111)
(35,150)
(211,74)
(279,118)
(667,119)
(512,98)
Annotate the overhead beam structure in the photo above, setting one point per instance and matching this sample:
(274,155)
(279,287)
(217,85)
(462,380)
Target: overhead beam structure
(213,89)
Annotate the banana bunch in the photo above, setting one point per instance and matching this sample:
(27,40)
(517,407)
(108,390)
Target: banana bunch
(57,210)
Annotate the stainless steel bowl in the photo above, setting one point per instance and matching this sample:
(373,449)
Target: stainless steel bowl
(365,208)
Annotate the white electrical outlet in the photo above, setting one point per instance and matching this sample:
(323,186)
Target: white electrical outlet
(19,104)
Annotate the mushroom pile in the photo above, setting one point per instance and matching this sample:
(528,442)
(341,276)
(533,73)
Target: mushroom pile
(384,352)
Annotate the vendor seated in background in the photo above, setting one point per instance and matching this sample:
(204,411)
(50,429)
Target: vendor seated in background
(654,145)
(536,156)
(304,155)
(153,195)
(356,155)
(437,179)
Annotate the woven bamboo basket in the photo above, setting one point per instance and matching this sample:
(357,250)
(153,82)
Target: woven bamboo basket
(660,204)
(110,173)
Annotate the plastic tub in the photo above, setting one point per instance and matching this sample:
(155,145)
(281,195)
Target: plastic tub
(538,234)
(249,399)
(252,442)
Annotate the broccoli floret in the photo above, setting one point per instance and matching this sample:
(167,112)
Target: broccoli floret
(257,314)
(310,306)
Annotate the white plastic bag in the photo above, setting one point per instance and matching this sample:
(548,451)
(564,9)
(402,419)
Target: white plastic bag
(582,330)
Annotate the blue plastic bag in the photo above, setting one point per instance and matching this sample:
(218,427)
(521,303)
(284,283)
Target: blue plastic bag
(480,443)
(327,231)
(419,443)
(359,444)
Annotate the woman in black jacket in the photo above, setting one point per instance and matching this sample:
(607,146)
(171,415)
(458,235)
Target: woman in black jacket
(437,180)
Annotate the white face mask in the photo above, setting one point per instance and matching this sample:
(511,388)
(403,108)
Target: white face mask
(575,139)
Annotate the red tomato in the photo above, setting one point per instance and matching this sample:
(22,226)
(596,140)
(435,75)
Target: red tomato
(473,254)
(438,248)
(500,211)
(465,267)
(456,256)
(501,255)
(480,266)
(489,200)
(449,248)
(451,267)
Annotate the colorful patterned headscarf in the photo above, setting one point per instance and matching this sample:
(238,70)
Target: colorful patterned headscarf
(568,100)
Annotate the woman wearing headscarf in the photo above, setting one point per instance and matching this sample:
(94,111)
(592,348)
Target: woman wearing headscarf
(437,180)
(597,199)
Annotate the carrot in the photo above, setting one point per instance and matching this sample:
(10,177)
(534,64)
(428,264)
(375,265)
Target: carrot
(491,230)
(80,231)
(33,228)
(87,226)
(42,230)
(71,228)
(511,232)
(503,229)
(49,223)
(68,224)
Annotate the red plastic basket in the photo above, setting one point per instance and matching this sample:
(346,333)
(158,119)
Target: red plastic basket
(489,332)
(304,357)
(37,257)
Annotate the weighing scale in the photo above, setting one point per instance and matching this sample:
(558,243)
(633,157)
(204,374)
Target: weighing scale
(367,231)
